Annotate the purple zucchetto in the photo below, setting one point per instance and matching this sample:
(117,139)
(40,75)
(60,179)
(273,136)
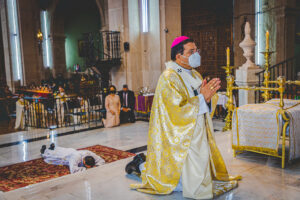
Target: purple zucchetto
(178,40)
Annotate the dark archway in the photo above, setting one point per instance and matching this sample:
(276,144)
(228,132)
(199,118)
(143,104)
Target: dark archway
(69,20)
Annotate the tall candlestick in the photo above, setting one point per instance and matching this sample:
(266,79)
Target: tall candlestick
(267,40)
(228,56)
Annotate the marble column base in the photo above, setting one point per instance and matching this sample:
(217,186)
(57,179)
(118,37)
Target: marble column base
(247,77)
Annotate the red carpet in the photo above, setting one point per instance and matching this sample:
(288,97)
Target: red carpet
(35,171)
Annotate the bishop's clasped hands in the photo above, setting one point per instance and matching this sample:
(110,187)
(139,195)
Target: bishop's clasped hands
(208,89)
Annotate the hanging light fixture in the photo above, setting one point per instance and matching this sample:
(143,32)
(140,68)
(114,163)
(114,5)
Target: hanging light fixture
(39,37)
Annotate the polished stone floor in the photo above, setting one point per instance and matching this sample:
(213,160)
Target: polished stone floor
(263,177)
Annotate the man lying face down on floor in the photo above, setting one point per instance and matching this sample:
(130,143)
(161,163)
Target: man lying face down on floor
(77,160)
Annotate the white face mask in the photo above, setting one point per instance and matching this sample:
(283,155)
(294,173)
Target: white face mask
(194,60)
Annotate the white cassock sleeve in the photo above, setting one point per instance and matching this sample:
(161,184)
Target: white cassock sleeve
(74,162)
(203,108)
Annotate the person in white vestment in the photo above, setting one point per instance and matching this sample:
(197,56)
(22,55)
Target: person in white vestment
(77,160)
(20,121)
(61,99)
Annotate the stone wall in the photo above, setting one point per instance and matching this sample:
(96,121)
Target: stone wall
(279,18)
(29,24)
(6,45)
(2,64)
(286,15)
(243,10)
(144,62)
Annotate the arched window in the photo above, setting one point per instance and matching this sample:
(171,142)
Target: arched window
(259,34)
(47,47)
(14,34)
(144,15)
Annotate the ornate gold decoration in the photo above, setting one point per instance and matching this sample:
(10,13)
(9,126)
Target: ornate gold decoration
(281,82)
(230,81)
(266,95)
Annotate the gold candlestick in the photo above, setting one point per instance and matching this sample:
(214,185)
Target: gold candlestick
(228,68)
(229,104)
(266,95)
(228,56)
(230,82)
(267,41)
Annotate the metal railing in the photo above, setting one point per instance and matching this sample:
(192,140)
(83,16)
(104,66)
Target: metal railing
(64,112)
(288,69)
(103,46)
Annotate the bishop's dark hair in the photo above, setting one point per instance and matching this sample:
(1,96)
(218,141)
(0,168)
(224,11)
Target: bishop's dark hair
(90,161)
(179,48)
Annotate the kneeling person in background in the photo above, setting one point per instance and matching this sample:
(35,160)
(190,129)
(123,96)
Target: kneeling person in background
(127,100)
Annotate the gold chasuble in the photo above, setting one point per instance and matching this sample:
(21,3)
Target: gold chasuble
(174,121)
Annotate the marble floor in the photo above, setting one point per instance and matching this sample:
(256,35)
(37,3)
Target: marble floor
(263,177)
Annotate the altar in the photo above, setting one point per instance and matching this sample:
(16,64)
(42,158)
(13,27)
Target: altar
(40,93)
(259,127)
(143,104)
(270,128)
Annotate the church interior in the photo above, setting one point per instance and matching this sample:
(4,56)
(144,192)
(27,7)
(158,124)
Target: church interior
(82,76)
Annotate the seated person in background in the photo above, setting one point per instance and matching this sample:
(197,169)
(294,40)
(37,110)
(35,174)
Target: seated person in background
(112,106)
(127,100)
(77,160)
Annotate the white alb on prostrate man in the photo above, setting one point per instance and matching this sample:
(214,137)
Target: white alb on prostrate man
(77,160)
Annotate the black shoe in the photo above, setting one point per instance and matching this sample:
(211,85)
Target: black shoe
(52,146)
(133,166)
(140,157)
(43,149)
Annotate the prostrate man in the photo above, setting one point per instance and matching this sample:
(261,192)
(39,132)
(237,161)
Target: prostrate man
(127,105)
(181,147)
(77,160)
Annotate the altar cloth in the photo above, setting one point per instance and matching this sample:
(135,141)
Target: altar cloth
(259,127)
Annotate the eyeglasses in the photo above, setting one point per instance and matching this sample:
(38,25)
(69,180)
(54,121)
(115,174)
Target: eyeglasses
(192,51)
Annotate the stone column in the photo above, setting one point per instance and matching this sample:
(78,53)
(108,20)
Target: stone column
(6,46)
(245,75)
(32,59)
(148,52)
(59,58)
(286,14)
(141,65)
(170,27)
(117,12)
